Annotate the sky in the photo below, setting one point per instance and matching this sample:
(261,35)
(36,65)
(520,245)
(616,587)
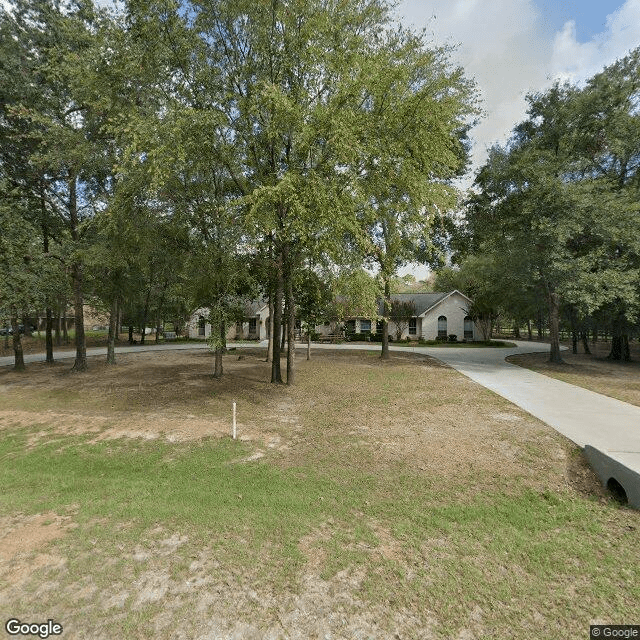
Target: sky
(514,47)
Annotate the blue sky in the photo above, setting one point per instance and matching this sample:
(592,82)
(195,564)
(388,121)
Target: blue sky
(590,16)
(514,47)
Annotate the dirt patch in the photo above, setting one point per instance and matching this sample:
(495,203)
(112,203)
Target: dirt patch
(23,543)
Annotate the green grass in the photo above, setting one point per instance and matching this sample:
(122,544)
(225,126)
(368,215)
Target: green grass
(522,545)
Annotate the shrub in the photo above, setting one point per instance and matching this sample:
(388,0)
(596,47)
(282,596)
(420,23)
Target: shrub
(359,337)
(453,337)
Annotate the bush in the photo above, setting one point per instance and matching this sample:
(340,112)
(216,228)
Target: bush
(359,337)
(453,337)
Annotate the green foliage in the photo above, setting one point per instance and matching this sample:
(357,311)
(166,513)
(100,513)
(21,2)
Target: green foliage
(557,209)
(355,294)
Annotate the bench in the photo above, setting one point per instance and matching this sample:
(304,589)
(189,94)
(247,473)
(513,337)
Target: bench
(333,338)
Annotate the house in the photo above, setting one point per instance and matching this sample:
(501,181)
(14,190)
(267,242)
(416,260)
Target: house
(254,325)
(436,316)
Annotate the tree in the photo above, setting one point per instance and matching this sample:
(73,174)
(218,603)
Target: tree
(61,117)
(549,214)
(313,296)
(21,269)
(355,294)
(415,119)
(401,313)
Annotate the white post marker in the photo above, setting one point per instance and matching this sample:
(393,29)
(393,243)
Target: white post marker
(234,420)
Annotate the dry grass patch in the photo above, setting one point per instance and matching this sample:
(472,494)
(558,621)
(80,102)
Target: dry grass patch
(595,372)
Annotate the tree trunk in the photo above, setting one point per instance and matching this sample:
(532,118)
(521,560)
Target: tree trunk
(553,300)
(18,353)
(276,373)
(539,325)
(160,307)
(620,348)
(6,337)
(130,334)
(386,311)
(222,329)
(594,336)
(58,328)
(80,363)
(270,330)
(529,330)
(308,343)
(285,316)
(145,312)
(65,329)
(516,331)
(291,328)
(619,341)
(585,342)
(113,330)
(48,338)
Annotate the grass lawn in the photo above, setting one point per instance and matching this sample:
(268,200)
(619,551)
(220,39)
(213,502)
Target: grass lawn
(372,500)
(595,372)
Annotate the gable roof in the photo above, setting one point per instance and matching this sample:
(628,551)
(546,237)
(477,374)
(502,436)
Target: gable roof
(423,301)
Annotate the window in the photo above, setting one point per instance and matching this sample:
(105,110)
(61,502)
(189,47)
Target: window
(365,326)
(468,328)
(200,326)
(413,326)
(442,327)
(252,325)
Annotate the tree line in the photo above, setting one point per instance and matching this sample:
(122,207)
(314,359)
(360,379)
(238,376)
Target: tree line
(164,156)
(552,229)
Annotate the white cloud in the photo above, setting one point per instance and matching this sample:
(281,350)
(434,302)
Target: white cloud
(577,61)
(510,50)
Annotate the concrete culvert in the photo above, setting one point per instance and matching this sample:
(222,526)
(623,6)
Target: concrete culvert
(617,490)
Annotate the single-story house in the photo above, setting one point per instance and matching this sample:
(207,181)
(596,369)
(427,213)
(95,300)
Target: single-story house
(254,325)
(436,316)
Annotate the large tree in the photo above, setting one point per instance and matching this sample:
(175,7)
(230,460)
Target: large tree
(415,118)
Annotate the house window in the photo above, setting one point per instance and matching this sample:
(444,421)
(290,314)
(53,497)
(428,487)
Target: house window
(351,326)
(413,326)
(365,326)
(252,325)
(442,327)
(201,326)
(468,328)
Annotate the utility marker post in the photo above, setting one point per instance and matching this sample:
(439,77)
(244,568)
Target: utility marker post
(234,420)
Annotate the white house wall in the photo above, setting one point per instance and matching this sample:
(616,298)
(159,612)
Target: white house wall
(455,309)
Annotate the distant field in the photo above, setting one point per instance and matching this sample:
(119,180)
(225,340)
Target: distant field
(374,499)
